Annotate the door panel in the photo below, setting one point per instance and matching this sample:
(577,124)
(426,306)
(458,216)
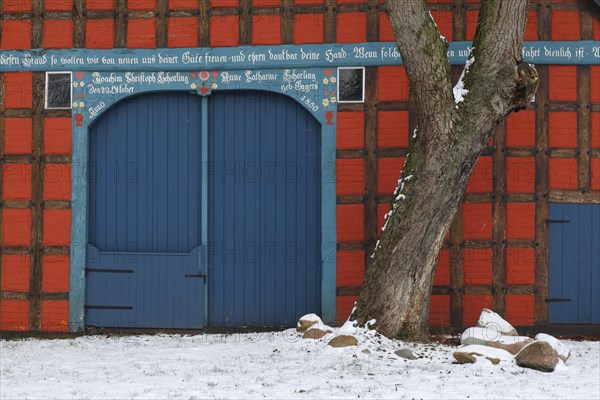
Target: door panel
(574,263)
(144,214)
(264,256)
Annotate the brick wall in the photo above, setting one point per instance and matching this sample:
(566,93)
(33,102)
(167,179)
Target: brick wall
(495,254)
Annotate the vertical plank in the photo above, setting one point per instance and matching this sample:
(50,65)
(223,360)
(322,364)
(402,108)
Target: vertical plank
(583,111)
(329,21)
(79,23)
(371,166)
(203,23)
(499,220)
(287,21)
(541,177)
(245,22)
(162,12)
(120,23)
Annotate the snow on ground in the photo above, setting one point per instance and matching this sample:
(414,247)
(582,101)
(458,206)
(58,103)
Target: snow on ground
(274,365)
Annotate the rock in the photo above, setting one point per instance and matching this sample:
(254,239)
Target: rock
(492,338)
(406,353)
(465,358)
(307,321)
(343,341)
(366,351)
(315,333)
(538,355)
(472,353)
(561,349)
(489,319)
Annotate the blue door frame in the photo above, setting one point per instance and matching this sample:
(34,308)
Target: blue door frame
(320,103)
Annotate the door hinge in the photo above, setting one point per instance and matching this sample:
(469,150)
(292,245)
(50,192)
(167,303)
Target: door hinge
(556,300)
(197,276)
(557,221)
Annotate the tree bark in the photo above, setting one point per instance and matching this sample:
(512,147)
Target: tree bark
(442,154)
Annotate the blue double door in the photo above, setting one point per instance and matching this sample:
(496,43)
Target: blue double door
(203,211)
(574,284)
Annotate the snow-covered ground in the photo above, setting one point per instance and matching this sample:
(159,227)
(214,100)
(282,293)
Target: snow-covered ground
(274,365)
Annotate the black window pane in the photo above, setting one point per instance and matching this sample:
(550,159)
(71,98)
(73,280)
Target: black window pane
(58,91)
(351,84)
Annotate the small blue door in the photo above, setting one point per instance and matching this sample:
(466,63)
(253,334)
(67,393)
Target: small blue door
(144,259)
(264,219)
(574,294)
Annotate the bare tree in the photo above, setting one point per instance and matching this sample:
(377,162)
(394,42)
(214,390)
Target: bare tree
(454,126)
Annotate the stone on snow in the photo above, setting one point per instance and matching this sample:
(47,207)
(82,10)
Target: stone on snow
(538,355)
(343,341)
(492,338)
(489,319)
(561,349)
(307,321)
(406,353)
(315,333)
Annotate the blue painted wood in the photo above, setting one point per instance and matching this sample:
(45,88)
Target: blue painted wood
(575,263)
(265,255)
(145,215)
(259,57)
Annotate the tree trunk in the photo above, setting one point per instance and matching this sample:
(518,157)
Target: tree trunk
(443,153)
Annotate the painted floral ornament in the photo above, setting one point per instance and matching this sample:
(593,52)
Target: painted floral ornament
(205,82)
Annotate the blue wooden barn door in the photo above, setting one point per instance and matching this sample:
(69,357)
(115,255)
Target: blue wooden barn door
(264,212)
(144,258)
(574,295)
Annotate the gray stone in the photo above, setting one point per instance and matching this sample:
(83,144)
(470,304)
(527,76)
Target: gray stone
(406,353)
(491,338)
(538,355)
(343,341)
(491,320)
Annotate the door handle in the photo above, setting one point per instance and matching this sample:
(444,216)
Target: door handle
(556,300)
(197,276)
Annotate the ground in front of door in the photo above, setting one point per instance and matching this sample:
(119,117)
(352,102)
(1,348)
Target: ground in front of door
(274,365)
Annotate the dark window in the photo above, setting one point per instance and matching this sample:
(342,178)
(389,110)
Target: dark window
(351,85)
(58,90)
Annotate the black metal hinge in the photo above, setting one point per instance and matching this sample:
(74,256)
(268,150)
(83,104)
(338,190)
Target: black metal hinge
(197,276)
(557,221)
(556,300)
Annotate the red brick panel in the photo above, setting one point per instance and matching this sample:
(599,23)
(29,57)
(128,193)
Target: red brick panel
(532,27)
(520,174)
(350,131)
(385,29)
(16,227)
(266,3)
(350,222)
(57,227)
(350,268)
(100,5)
(266,29)
(15,272)
(213,3)
(477,266)
(565,25)
(477,221)
(350,175)
(351,27)
(439,310)
(55,273)
(595,131)
(17,6)
(472,306)
(57,182)
(141,33)
(224,31)
(595,83)
(563,173)
(99,33)
(16,182)
(17,89)
(520,129)
(563,82)
(519,309)
(14,315)
(344,306)
(58,5)
(183,32)
(55,315)
(472,17)
(308,28)
(382,210)
(481,178)
(442,269)
(17,135)
(392,84)
(520,266)
(186,4)
(562,128)
(443,20)
(57,136)
(388,174)
(520,221)
(16,35)
(595,183)
(141,4)
(58,34)
(392,129)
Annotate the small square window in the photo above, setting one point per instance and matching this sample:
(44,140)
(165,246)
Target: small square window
(351,84)
(59,90)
